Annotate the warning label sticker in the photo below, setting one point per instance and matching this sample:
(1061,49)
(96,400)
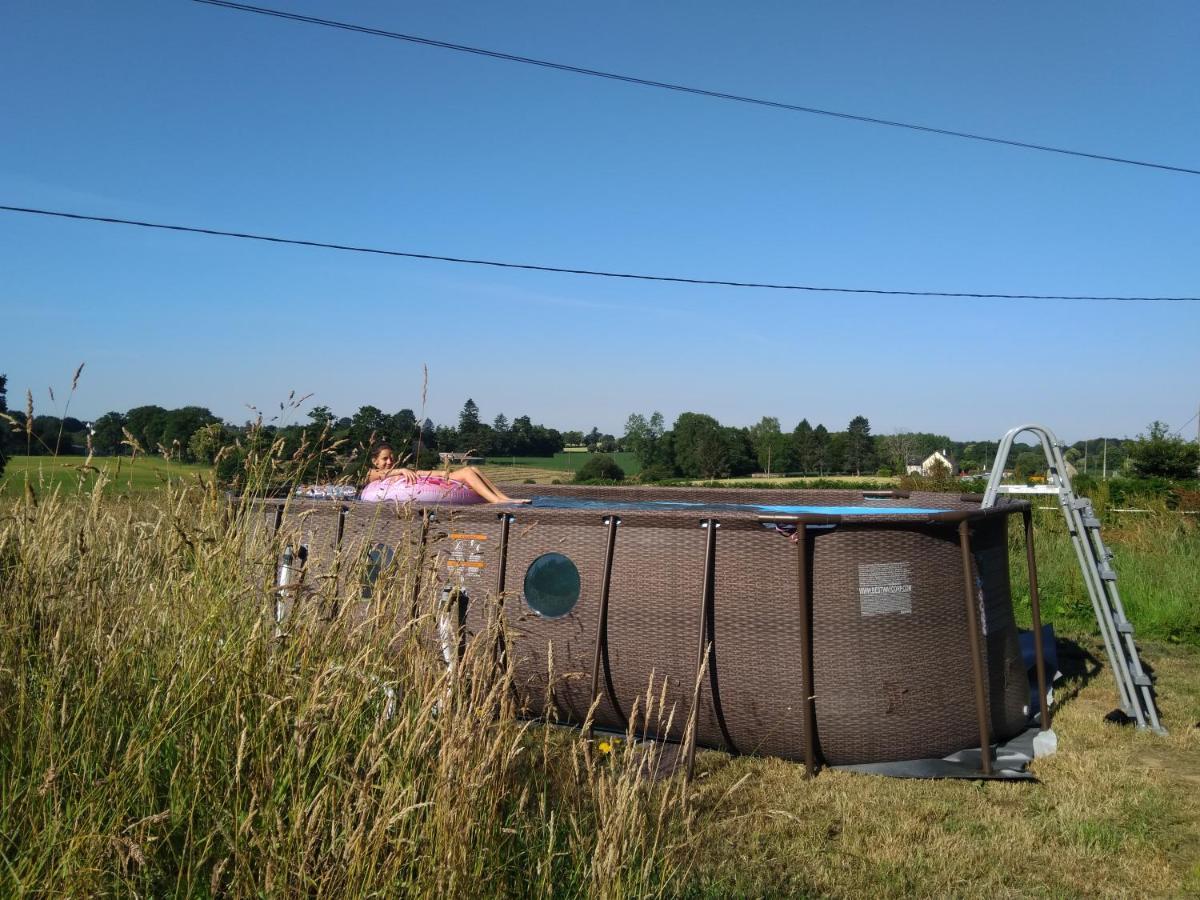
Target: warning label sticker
(885,588)
(466,555)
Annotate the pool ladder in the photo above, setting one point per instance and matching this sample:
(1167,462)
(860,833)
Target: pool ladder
(1134,686)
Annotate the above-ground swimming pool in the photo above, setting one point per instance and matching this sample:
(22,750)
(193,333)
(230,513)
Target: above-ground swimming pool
(837,626)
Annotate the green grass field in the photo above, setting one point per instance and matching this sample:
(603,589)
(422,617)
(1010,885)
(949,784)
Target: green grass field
(69,473)
(1157,560)
(563,462)
(158,737)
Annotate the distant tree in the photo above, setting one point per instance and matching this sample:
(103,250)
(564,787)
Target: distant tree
(428,435)
(108,433)
(49,437)
(803,448)
(521,436)
(367,425)
(820,449)
(896,450)
(1028,463)
(321,416)
(402,427)
(1163,454)
(740,458)
(501,437)
(663,465)
(206,442)
(146,424)
(972,457)
(445,438)
(702,448)
(985,452)
(478,441)
(470,429)
(599,467)
(468,418)
(635,433)
(860,449)
(179,425)
(836,452)
(773,450)
(646,439)
(573,438)
(547,441)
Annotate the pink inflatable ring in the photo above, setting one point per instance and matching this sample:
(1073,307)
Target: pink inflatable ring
(431,489)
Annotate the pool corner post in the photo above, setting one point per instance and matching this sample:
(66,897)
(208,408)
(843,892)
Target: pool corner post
(806,660)
(335,606)
(601,652)
(499,651)
(1035,611)
(693,723)
(506,520)
(981,707)
(415,600)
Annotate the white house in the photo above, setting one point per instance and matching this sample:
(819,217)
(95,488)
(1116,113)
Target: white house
(930,464)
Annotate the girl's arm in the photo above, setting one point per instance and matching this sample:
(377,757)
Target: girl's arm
(407,474)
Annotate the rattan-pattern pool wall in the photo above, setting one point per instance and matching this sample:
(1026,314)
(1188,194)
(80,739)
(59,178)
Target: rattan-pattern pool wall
(880,598)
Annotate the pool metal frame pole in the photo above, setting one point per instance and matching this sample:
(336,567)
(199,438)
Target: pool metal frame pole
(1035,610)
(600,656)
(506,520)
(500,651)
(415,599)
(981,707)
(693,723)
(335,607)
(806,652)
(714,681)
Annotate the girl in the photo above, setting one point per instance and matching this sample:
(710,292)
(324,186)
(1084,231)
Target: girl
(465,485)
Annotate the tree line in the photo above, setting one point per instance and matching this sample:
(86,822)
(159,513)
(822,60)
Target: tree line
(698,446)
(695,446)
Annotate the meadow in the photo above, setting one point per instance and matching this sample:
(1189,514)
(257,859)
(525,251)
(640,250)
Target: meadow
(159,736)
(117,475)
(563,462)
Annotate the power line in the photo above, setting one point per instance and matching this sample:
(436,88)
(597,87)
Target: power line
(681,88)
(597,273)
(1179,430)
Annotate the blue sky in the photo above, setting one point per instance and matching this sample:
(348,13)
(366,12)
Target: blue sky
(177,112)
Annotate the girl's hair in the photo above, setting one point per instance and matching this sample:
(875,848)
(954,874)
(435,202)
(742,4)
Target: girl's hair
(379,448)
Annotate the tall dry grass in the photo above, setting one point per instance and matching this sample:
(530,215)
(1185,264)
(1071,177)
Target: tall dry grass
(158,736)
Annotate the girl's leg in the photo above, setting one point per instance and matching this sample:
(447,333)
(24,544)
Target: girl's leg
(482,485)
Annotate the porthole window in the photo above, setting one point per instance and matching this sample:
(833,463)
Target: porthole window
(552,585)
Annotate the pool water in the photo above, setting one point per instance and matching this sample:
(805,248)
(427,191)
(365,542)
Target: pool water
(599,505)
